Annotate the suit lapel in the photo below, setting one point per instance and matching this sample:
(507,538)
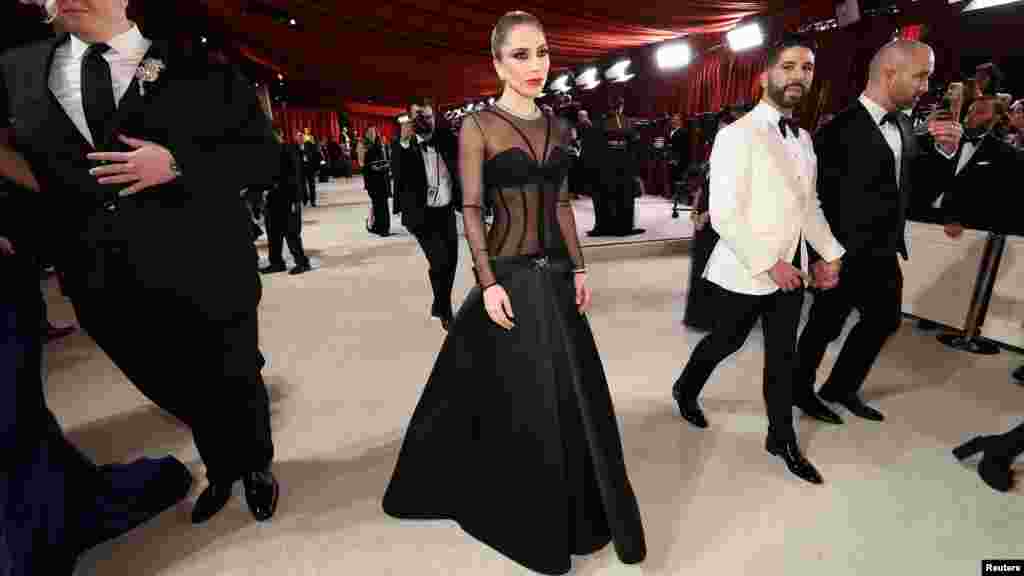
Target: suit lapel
(777,150)
(37,83)
(906,139)
(133,101)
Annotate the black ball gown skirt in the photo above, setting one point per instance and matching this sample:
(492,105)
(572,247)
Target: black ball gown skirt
(515,436)
(700,307)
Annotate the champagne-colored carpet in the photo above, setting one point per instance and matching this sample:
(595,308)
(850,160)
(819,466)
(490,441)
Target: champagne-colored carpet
(350,346)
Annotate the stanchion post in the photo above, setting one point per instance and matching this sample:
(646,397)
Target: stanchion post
(969,340)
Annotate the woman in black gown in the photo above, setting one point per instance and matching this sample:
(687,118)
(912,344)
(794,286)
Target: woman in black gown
(515,436)
(375,175)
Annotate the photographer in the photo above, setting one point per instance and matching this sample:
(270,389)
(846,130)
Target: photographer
(972,183)
(429,194)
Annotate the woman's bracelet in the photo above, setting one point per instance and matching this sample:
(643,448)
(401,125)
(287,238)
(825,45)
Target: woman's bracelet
(580,270)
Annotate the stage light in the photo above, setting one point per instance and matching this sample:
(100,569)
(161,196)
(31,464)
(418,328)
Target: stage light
(292,22)
(617,73)
(745,37)
(674,55)
(588,79)
(561,84)
(202,39)
(983,4)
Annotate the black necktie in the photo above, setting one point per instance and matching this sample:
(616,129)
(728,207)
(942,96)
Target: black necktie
(793,126)
(893,117)
(97,94)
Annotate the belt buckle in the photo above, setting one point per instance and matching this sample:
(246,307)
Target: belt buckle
(541,262)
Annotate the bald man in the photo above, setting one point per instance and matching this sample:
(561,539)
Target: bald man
(865,156)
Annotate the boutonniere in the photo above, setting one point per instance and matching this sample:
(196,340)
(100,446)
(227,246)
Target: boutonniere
(148,71)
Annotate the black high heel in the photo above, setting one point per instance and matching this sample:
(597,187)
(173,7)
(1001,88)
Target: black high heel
(972,447)
(994,469)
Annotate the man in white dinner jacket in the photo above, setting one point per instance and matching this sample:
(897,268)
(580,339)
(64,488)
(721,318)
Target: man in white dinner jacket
(764,204)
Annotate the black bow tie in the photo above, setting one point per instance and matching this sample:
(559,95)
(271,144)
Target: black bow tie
(893,117)
(793,126)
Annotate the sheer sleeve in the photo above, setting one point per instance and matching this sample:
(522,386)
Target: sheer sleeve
(471,167)
(566,216)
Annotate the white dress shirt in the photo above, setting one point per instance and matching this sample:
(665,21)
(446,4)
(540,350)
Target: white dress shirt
(126,53)
(890,132)
(966,153)
(438,177)
(763,202)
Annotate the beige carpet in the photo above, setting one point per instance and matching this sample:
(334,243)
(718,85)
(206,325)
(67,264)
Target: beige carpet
(350,346)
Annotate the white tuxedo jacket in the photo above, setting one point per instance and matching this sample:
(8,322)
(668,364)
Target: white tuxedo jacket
(763,199)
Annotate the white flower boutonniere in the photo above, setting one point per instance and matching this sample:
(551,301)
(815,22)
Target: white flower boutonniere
(148,71)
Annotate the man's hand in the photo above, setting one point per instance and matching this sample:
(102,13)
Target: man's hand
(6,248)
(953,230)
(826,274)
(786,276)
(946,133)
(150,164)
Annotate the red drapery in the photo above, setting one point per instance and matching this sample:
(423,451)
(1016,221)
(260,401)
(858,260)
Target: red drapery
(362,116)
(323,124)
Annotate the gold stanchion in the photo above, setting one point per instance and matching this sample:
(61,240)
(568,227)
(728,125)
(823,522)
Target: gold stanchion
(970,340)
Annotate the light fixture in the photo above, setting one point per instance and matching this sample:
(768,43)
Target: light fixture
(673,55)
(744,37)
(202,39)
(292,22)
(561,84)
(983,4)
(588,79)
(617,73)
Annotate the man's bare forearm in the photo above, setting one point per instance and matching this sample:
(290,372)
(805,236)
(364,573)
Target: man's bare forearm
(13,165)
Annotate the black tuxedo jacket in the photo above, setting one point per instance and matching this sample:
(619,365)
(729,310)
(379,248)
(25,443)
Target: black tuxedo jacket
(413,178)
(291,183)
(188,239)
(981,195)
(857,186)
(680,143)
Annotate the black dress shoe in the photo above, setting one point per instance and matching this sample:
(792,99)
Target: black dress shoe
(816,409)
(690,410)
(300,269)
(261,493)
(856,406)
(1018,374)
(795,461)
(210,502)
(273,268)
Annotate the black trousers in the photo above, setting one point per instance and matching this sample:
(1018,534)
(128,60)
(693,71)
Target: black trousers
(874,286)
(284,223)
(310,174)
(378,191)
(204,372)
(439,240)
(735,316)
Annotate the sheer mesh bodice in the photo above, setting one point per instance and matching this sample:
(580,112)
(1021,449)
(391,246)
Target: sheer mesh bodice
(520,167)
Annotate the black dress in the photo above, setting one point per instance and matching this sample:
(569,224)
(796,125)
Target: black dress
(515,436)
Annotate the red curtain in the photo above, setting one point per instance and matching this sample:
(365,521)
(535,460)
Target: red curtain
(322,123)
(362,116)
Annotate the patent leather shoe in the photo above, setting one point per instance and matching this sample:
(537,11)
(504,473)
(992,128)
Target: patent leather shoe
(795,461)
(261,493)
(210,502)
